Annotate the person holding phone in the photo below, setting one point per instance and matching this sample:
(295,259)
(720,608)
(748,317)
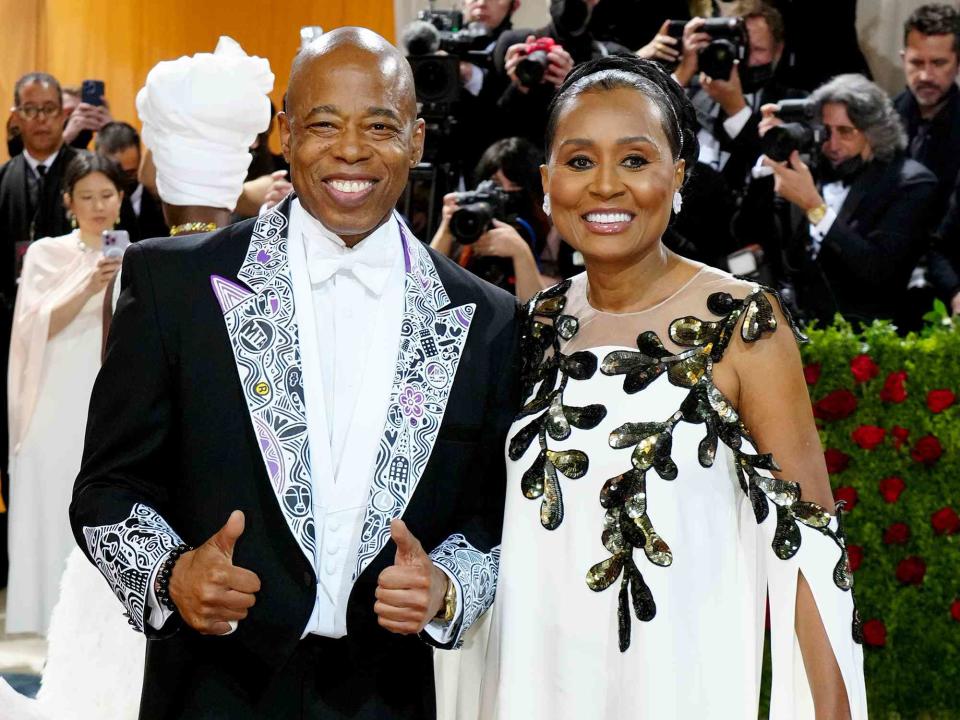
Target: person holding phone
(54,359)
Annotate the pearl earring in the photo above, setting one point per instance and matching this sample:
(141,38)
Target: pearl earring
(677,202)
(546,204)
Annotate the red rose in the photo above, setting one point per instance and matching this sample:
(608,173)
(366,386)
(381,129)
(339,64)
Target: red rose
(837,461)
(835,406)
(875,633)
(893,387)
(854,556)
(896,534)
(955,610)
(900,435)
(945,521)
(848,496)
(811,373)
(911,570)
(890,488)
(927,450)
(863,368)
(868,436)
(940,400)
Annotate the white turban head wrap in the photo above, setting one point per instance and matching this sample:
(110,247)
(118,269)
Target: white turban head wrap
(200,115)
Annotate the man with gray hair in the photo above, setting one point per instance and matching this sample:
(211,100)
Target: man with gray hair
(856,225)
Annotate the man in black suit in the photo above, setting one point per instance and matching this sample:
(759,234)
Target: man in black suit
(243,473)
(852,237)
(140,211)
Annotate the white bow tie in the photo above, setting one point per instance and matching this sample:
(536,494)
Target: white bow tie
(371,265)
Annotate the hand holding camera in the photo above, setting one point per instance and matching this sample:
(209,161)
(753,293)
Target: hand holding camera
(502,240)
(794,182)
(663,47)
(102,273)
(728,94)
(536,61)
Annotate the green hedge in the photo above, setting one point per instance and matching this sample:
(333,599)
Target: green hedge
(890,423)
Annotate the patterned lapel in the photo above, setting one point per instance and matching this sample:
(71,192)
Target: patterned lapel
(432,338)
(262,328)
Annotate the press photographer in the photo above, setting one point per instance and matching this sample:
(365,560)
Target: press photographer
(498,229)
(853,228)
(742,54)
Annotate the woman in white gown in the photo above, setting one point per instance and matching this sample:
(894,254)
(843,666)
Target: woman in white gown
(54,360)
(646,519)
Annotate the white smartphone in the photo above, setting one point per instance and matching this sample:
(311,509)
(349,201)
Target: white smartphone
(115,242)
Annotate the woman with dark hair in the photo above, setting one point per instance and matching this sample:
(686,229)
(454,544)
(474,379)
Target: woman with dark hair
(54,359)
(665,474)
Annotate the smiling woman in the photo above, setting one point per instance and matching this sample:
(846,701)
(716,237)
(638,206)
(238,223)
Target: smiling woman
(662,389)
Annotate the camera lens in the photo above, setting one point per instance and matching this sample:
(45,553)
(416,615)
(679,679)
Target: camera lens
(716,60)
(530,70)
(471,221)
(435,78)
(781,140)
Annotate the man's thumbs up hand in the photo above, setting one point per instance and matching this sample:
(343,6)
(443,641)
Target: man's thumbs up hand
(207,588)
(410,592)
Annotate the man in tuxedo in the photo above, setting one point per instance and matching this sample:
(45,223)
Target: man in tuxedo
(851,237)
(275,397)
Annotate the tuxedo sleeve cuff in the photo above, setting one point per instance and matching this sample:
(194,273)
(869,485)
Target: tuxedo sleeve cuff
(734,124)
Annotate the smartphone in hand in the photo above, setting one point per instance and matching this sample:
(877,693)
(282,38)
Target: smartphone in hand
(91,92)
(115,242)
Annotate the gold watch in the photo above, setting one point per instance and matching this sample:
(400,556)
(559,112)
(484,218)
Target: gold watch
(448,610)
(815,215)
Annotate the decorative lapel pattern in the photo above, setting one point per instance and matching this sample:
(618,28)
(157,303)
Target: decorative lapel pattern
(431,344)
(262,328)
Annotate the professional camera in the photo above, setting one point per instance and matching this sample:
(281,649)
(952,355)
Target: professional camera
(729,42)
(531,69)
(800,131)
(478,208)
(452,37)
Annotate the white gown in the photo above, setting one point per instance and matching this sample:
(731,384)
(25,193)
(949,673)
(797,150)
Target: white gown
(554,649)
(44,467)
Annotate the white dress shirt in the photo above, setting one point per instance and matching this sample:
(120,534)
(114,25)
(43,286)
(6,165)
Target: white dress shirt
(834,195)
(34,163)
(349,308)
(710,152)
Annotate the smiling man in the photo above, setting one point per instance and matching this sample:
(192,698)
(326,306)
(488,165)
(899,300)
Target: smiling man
(293,472)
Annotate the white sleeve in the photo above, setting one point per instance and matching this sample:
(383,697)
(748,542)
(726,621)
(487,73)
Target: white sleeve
(734,124)
(158,614)
(475,83)
(819,231)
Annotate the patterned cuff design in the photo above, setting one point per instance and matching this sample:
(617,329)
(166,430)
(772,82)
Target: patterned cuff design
(476,574)
(127,554)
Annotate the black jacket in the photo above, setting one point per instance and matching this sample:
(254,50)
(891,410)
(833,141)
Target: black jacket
(867,257)
(201,395)
(17,217)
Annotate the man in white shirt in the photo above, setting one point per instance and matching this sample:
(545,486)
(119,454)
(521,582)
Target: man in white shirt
(275,397)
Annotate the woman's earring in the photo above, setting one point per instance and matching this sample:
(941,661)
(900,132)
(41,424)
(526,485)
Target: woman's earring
(73,221)
(546,204)
(677,202)
(117,221)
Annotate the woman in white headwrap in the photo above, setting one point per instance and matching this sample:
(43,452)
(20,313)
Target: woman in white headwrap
(200,114)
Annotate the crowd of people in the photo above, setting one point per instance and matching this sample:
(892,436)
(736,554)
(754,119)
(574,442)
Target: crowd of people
(797,171)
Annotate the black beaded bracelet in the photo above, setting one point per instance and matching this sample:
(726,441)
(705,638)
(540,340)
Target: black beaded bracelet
(163,576)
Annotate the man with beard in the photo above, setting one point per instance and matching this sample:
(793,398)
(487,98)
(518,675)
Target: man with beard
(275,396)
(853,234)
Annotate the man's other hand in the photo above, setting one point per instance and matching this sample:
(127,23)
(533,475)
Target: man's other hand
(410,592)
(208,589)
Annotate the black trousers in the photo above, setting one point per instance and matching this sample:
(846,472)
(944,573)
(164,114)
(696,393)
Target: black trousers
(324,678)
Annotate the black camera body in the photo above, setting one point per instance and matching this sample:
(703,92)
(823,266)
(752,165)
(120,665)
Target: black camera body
(477,210)
(729,42)
(801,131)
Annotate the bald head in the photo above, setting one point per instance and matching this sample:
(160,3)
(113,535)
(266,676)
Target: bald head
(355,46)
(350,130)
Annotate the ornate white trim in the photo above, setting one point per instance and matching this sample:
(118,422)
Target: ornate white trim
(475,571)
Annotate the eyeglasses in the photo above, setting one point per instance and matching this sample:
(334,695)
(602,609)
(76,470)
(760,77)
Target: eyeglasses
(30,112)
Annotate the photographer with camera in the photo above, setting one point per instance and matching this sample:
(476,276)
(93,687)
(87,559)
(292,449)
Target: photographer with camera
(729,64)
(481,229)
(855,225)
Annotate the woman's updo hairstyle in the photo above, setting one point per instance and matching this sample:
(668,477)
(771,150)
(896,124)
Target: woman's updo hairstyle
(612,72)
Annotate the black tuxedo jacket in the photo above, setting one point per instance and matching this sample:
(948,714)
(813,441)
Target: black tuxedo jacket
(867,257)
(199,410)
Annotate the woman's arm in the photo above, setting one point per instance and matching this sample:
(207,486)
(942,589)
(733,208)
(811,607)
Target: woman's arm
(67,309)
(766,379)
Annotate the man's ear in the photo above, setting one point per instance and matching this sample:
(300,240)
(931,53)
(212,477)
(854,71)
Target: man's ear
(417,139)
(283,122)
